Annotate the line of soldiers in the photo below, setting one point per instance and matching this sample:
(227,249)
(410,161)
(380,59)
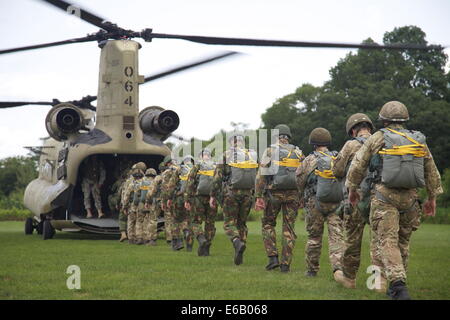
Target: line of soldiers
(372,180)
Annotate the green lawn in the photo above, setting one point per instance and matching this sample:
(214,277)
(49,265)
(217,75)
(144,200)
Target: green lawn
(31,268)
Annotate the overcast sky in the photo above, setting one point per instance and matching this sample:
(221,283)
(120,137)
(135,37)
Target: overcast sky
(208,98)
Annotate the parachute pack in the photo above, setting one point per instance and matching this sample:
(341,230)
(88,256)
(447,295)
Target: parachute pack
(284,177)
(243,168)
(403,158)
(329,188)
(206,174)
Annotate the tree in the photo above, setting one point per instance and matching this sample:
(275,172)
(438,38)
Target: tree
(363,82)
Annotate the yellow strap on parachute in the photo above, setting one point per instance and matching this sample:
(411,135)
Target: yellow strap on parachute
(206,172)
(145,187)
(184,178)
(248,164)
(327,174)
(288,162)
(416,149)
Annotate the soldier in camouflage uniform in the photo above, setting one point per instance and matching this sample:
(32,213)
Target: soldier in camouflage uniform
(234,178)
(170,166)
(127,178)
(94,175)
(174,195)
(394,208)
(276,190)
(153,203)
(359,127)
(318,212)
(129,204)
(196,198)
(143,212)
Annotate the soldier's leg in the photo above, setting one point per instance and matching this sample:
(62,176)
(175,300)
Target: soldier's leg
(168,224)
(353,234)
(85,187)
(230,215)
(385,223)
(184,222)
(246,202)
(97,199)
(153,223)
(210,220)
(197,215)
(290,211)
(269,221)
(335,241)
(314,227)
(140,216)
(131,224)
(408,221)
(146,226)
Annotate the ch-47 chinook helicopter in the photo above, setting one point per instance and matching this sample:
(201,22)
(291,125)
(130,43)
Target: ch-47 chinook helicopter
(115,131)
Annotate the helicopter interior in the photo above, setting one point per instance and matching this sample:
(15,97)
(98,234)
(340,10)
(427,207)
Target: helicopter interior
(116,165)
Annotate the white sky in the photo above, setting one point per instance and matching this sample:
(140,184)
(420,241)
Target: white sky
(208,98)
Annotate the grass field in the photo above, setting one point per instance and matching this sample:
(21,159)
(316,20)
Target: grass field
(31,268)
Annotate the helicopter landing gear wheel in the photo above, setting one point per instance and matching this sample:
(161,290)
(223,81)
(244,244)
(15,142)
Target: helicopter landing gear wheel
(39,227)
(29,226)
(47,231)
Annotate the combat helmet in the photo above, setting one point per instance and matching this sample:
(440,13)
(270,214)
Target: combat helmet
(394,111)
(136,172)
(320,137)
(167,159)
(150,172)
(161,167)
(140,165)
(188,157)
(283,129)
(356,118)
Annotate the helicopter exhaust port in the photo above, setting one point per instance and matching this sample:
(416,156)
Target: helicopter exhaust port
(157,120)
(63,120)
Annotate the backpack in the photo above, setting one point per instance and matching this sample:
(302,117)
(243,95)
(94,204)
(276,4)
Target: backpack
(329,188)
(145,186)
(184,173)
(206,174)
(243,168)
(403,158)
(284,177)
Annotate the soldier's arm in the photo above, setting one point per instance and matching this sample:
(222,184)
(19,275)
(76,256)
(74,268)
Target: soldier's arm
(360,162)
(433,183)
(191,183)
(261,176)
(303,172)
(171,185)
(341,161)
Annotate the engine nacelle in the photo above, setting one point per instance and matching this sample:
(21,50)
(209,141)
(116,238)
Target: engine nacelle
(64,120)
(157,120)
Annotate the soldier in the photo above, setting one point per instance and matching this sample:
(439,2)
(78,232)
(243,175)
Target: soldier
(359,127)
(234,178)
(196,198)
(129,203)
(276,190)
(153,204)
(322,194)
(93,178)
(143,214)
(175,200)
(401,162)
(128,178)
(170,166)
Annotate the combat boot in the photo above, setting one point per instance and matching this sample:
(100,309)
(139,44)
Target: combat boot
(342,279)
(206,251)
(139,241)
(186,237)
(310,273)
(188,247)
(273,263)
(101,214)
(202,242)
(123,236)
(178,244)
(131,241)
(152,243)
(285,268)
(398,291)
(239,248)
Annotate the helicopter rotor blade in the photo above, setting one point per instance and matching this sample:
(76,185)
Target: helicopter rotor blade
(286,43)
(13,104)
(82,14)
(190,66)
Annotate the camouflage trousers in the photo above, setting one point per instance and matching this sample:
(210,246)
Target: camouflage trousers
(131,224)
(354,228)
(122,221)
(315,221)
(236,207)
(182,221)
(87,187)
(202,212)
(288,202)
(150,224)
(391,232)
(156,212)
